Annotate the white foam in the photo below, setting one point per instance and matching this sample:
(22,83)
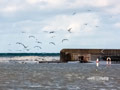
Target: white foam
(29,58)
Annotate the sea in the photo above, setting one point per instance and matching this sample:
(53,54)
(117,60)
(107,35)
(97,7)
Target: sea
(19,72)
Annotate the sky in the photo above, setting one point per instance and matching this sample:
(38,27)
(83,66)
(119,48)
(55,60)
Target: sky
(25,24)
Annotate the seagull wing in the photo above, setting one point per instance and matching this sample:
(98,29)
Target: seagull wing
(21,44)
(52,43)
(37,47)
(31,36)
(64,40)
(39,42)
(69,30)
(52,32)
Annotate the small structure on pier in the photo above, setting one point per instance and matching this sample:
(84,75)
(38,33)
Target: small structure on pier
(86,55)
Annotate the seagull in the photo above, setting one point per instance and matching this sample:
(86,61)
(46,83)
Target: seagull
(86,24)
(96,26)
(39,42)
(22,44)
(27,49)
(31,36)
(69,30)
(64,40)
(52,32)
(22,32)
(37,47)
(74,13)
(18,43)
(52,43)
(89,10)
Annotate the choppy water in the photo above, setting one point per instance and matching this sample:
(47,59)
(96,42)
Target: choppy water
(59,76)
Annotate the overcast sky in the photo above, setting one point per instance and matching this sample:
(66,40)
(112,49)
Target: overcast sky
(92,24)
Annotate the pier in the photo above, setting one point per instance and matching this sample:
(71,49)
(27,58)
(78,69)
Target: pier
(86,55)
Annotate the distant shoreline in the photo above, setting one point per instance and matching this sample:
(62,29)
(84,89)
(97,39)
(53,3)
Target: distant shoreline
(28,54)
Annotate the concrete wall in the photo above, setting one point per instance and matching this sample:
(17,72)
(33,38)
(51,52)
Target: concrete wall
(89,54)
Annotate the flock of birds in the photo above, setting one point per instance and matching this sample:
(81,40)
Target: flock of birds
(69,30)
(39,47)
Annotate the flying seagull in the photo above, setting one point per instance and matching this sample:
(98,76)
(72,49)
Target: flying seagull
(89,10)
(86,24)
(52,32)
(69,30)
(64,40)
(74,13)
(96,26)
(21,44)
(22,32)
(52,43)
(31,36)
(27,49)
(37,47)
(39,42)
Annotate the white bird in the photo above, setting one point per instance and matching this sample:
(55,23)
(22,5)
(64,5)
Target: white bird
(22,32)
(86,24)
(64,40)
(69,30)
(52,32)
(39,42)
(74,13)
(52,43)
(31,36)
(27,49)
(22,44)
(37,47)
(89,10)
